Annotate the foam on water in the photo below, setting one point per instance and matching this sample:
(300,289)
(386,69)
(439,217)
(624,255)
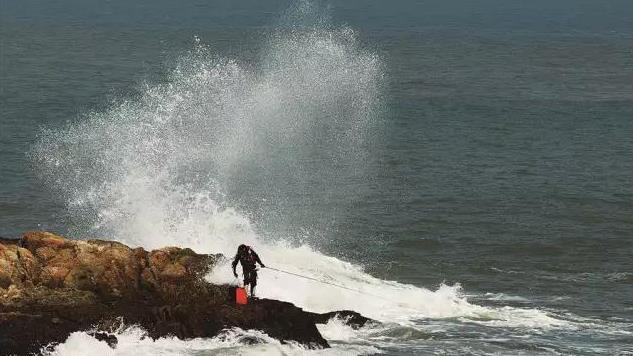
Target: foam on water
(134,341)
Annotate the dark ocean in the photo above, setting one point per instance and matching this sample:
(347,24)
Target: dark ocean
(469,161)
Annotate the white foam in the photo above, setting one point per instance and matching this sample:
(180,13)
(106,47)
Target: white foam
(80,344)
(386,301)
(133,341)
(505,297)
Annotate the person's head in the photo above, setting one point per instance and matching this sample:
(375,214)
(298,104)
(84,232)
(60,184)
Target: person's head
(242,249)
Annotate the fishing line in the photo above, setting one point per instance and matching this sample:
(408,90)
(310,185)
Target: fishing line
(332,284)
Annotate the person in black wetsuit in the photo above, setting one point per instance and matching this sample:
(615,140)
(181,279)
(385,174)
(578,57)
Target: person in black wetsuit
(247,257)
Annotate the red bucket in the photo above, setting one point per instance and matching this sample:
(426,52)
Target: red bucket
(240,296)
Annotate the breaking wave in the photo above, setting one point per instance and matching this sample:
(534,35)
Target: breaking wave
(219,155)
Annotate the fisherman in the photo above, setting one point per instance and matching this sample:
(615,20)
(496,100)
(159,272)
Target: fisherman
(247,257)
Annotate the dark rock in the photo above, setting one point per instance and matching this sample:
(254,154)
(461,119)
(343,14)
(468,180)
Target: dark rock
(110,339)
(351,318)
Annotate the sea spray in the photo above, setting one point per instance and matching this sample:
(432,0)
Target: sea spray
(218,135)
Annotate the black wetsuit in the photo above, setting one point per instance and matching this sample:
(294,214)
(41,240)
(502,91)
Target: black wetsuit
(248,259)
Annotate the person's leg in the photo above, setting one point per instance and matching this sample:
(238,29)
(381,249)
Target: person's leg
(253,282)
(248,278)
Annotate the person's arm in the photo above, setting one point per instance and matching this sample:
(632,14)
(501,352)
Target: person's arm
(235,260)
(258,260)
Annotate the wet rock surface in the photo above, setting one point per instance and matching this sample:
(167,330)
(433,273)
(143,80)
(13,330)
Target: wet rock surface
(51,286)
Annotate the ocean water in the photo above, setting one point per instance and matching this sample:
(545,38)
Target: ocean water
(463,166)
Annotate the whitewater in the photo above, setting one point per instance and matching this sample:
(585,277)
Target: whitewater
(208,158)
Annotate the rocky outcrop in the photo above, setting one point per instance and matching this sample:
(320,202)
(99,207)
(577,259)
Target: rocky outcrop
(51,286)
(42,263)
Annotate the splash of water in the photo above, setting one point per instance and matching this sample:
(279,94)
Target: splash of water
(168,166)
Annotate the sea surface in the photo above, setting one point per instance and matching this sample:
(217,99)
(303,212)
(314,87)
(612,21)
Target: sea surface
(464,167)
